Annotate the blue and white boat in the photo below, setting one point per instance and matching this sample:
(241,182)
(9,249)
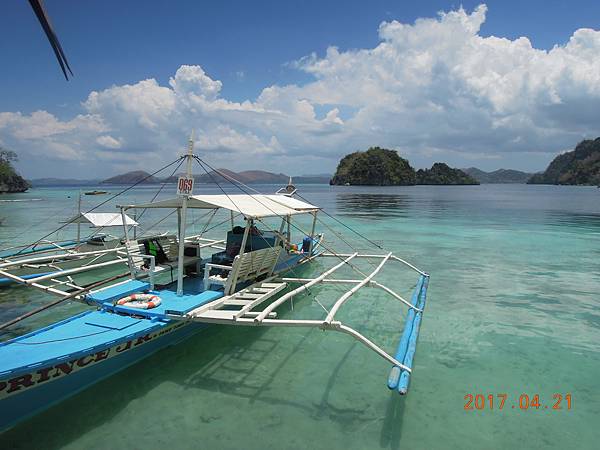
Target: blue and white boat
(242,282)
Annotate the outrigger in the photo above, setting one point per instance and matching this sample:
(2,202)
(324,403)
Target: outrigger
(244,281)
(55,259)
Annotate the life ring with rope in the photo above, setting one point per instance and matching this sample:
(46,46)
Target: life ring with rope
(140,301)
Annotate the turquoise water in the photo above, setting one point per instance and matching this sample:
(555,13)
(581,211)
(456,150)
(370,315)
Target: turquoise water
(512,308)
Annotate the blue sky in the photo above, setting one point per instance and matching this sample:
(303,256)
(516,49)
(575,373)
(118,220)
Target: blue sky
(249,47)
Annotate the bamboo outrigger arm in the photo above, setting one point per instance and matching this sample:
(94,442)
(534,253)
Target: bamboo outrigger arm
(220,312)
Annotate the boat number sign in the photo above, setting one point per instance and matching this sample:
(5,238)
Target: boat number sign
(185,186)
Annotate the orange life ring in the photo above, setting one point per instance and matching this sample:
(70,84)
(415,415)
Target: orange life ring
(141,301)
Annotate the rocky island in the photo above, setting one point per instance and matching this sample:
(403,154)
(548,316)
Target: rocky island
(578,167)
(380,167)
(441,173)
(376,167)
(10,180)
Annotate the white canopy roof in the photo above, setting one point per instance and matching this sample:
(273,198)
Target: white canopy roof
(102,220)
(251,206)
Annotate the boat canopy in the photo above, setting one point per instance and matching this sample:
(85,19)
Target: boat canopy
(250,206)
(102,220)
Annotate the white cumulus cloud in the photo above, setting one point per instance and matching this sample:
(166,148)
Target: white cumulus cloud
(435,89)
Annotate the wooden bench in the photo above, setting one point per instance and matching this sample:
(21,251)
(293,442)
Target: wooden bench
(246,267)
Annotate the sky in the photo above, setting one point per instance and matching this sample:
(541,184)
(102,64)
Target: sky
(293,86)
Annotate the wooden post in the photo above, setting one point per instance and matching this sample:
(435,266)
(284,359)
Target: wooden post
(280,233)
(79,218)
(249,223)
(312,232)
(134,227)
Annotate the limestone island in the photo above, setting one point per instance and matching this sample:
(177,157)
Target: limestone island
(10,180)
(380,167)
(577,167)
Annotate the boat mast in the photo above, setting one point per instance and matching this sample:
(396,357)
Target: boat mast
(182,218)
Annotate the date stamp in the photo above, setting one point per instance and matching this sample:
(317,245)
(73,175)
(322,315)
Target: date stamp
(478,402)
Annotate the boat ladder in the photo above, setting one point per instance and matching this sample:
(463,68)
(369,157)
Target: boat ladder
(236,306)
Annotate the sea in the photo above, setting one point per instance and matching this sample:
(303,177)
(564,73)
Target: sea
(508,356)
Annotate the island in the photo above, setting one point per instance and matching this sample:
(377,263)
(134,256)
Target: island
(375,167)
(381,167)
(441,173)
(577,167)
(10,180)
(500,176)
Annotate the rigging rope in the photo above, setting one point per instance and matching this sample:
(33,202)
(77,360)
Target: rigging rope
(234,181)
(101,204)
(202,163)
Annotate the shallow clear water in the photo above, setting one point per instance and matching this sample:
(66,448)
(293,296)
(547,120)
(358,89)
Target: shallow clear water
(512,308)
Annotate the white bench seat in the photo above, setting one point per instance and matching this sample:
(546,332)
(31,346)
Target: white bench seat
(245,267)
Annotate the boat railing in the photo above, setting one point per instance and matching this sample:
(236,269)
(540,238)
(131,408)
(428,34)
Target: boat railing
(57,257)
(134,256)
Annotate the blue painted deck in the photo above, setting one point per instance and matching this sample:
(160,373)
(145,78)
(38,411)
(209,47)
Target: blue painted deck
(118,291)
(81,334)
(93,330)
(170,302)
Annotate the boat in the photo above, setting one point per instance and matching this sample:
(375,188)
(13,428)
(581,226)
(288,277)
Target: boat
(243,279)
(96,192)
(58,259)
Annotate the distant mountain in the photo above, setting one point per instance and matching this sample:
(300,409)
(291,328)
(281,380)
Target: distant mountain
(246,177)
(313,179)
(48,182)
(442,174)
(500,176)
(578,167)
(133,177)
(253,177)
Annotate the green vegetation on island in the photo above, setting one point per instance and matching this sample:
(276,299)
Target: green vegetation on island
(500,176)
(381,167)
(376,167)
(441,173)
(10,180)
(578,167)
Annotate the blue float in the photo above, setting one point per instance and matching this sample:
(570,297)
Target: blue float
(398,378)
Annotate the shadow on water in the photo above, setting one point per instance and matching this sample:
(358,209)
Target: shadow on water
(250,363)
(231,361)
(232,372)
(373,206)
(391,431)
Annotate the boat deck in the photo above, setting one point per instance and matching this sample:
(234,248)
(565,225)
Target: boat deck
(66,340)
(193,297)
(93,331)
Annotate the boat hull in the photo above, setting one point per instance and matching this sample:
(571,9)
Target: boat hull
(40,388)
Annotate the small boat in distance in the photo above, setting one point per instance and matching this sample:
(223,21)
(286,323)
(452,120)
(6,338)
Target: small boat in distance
(174,291)
(96,192)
